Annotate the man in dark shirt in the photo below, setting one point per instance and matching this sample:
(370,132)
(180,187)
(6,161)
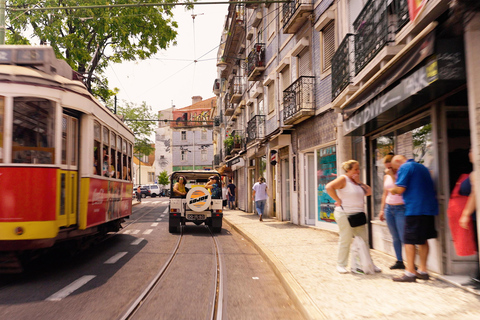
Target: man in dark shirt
(231,194)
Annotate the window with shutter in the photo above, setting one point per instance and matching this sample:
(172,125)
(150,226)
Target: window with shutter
(271,97)
(304,63)
(328,45)
(285,77)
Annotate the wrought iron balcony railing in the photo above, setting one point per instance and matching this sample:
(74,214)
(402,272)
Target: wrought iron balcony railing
(343,65)
(256,128)
(295,13)
(256,61)
(217,159)
(237,87)
(229,108)
(299,100)
(372,32)
(401,10)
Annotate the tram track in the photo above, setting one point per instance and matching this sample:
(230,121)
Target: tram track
(217,305)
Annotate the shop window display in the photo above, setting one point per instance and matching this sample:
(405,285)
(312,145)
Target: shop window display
(413,140)
(326,172)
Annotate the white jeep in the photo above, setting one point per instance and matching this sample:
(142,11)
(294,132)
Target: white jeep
(199,205)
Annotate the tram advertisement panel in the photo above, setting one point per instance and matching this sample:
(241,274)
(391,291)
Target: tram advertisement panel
(107,200)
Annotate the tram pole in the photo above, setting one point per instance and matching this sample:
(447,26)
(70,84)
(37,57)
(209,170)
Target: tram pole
(2,21)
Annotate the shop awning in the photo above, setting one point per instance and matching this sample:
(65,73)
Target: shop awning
(440,73)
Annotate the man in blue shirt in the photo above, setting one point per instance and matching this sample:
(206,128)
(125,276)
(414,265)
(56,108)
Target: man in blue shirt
(415,184)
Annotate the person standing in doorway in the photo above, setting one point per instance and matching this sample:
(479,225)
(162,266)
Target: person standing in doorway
(231,194)
(416,185)
(260,196)
(392,209)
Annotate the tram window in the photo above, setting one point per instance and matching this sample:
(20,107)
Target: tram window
(98,160)
(2,112)
(73,161)
(125,168)
(119,165)
(106,133)
(33,131)
(64,139)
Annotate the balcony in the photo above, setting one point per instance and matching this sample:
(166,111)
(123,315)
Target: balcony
(229,108)
(372,32)
(295,14)
(237,87)
(343,65)
(256,128)
(256,62)
(238,140)
(299,101)
(216,87)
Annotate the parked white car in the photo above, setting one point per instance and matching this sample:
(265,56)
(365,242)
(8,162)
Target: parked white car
(154,190)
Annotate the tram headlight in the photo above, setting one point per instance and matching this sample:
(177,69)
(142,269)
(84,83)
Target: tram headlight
(19,231)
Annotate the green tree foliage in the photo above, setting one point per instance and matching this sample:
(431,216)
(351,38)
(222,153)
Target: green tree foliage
(142,129)
(89,39)
(163,178)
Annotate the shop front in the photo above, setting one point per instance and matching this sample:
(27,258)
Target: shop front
(422,114)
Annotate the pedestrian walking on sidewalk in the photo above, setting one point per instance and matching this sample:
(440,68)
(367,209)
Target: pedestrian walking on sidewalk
(416,185)
(260,196)
(349,194)
(392,209)
(231,194)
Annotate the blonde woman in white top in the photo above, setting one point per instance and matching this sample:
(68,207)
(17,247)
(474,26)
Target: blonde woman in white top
(349,193)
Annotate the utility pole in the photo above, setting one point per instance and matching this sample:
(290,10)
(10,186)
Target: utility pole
(2,21)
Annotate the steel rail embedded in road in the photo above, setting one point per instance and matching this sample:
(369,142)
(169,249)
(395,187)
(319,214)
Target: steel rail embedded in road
(217,305)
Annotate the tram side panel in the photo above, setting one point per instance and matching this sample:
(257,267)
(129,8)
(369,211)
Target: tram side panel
(103,201)
(28,219)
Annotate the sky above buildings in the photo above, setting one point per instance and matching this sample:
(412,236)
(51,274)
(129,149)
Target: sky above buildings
(172,77)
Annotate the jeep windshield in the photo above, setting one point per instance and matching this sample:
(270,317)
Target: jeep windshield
(197,178)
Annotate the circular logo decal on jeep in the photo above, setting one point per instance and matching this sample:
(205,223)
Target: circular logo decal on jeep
(198,199)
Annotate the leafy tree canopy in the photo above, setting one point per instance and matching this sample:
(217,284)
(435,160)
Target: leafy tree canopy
(163,178)
(88,39)
(142,129)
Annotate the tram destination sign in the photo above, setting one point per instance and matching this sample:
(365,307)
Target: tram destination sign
(22,55)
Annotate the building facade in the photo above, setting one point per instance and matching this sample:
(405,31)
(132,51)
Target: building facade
(192,136)
(305,86)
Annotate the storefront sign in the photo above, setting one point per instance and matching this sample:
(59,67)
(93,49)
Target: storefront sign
(384,101)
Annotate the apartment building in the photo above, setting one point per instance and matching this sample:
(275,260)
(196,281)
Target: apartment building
(309,85)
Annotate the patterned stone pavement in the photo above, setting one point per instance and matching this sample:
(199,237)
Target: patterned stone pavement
(304,260)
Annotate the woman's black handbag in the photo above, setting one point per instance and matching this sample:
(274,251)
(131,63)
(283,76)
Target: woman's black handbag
(357,219)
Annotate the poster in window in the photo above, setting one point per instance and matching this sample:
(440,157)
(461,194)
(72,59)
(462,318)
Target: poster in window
(326,172)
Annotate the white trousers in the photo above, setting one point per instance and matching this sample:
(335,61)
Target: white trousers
(346,234)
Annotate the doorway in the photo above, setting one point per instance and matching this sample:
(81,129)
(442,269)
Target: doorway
(310,191)
(68,173)
(286,189)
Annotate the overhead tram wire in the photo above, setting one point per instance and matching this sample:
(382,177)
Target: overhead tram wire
(139,5)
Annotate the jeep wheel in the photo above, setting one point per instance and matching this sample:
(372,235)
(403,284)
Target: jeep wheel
(144,195)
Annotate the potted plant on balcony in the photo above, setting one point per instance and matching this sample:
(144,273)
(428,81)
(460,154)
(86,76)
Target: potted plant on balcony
(228,142)
(237,141)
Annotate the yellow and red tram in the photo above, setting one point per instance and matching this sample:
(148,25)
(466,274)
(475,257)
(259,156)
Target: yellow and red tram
(65,159)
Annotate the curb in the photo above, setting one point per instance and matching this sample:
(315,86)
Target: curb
(300,298)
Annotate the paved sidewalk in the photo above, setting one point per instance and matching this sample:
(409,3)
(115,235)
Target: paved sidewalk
(304,259)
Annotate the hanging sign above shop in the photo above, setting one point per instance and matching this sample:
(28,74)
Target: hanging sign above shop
(273,157)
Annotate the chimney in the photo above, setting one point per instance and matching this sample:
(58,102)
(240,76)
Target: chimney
(196,99)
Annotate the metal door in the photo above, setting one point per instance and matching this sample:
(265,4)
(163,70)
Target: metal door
(68,173)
